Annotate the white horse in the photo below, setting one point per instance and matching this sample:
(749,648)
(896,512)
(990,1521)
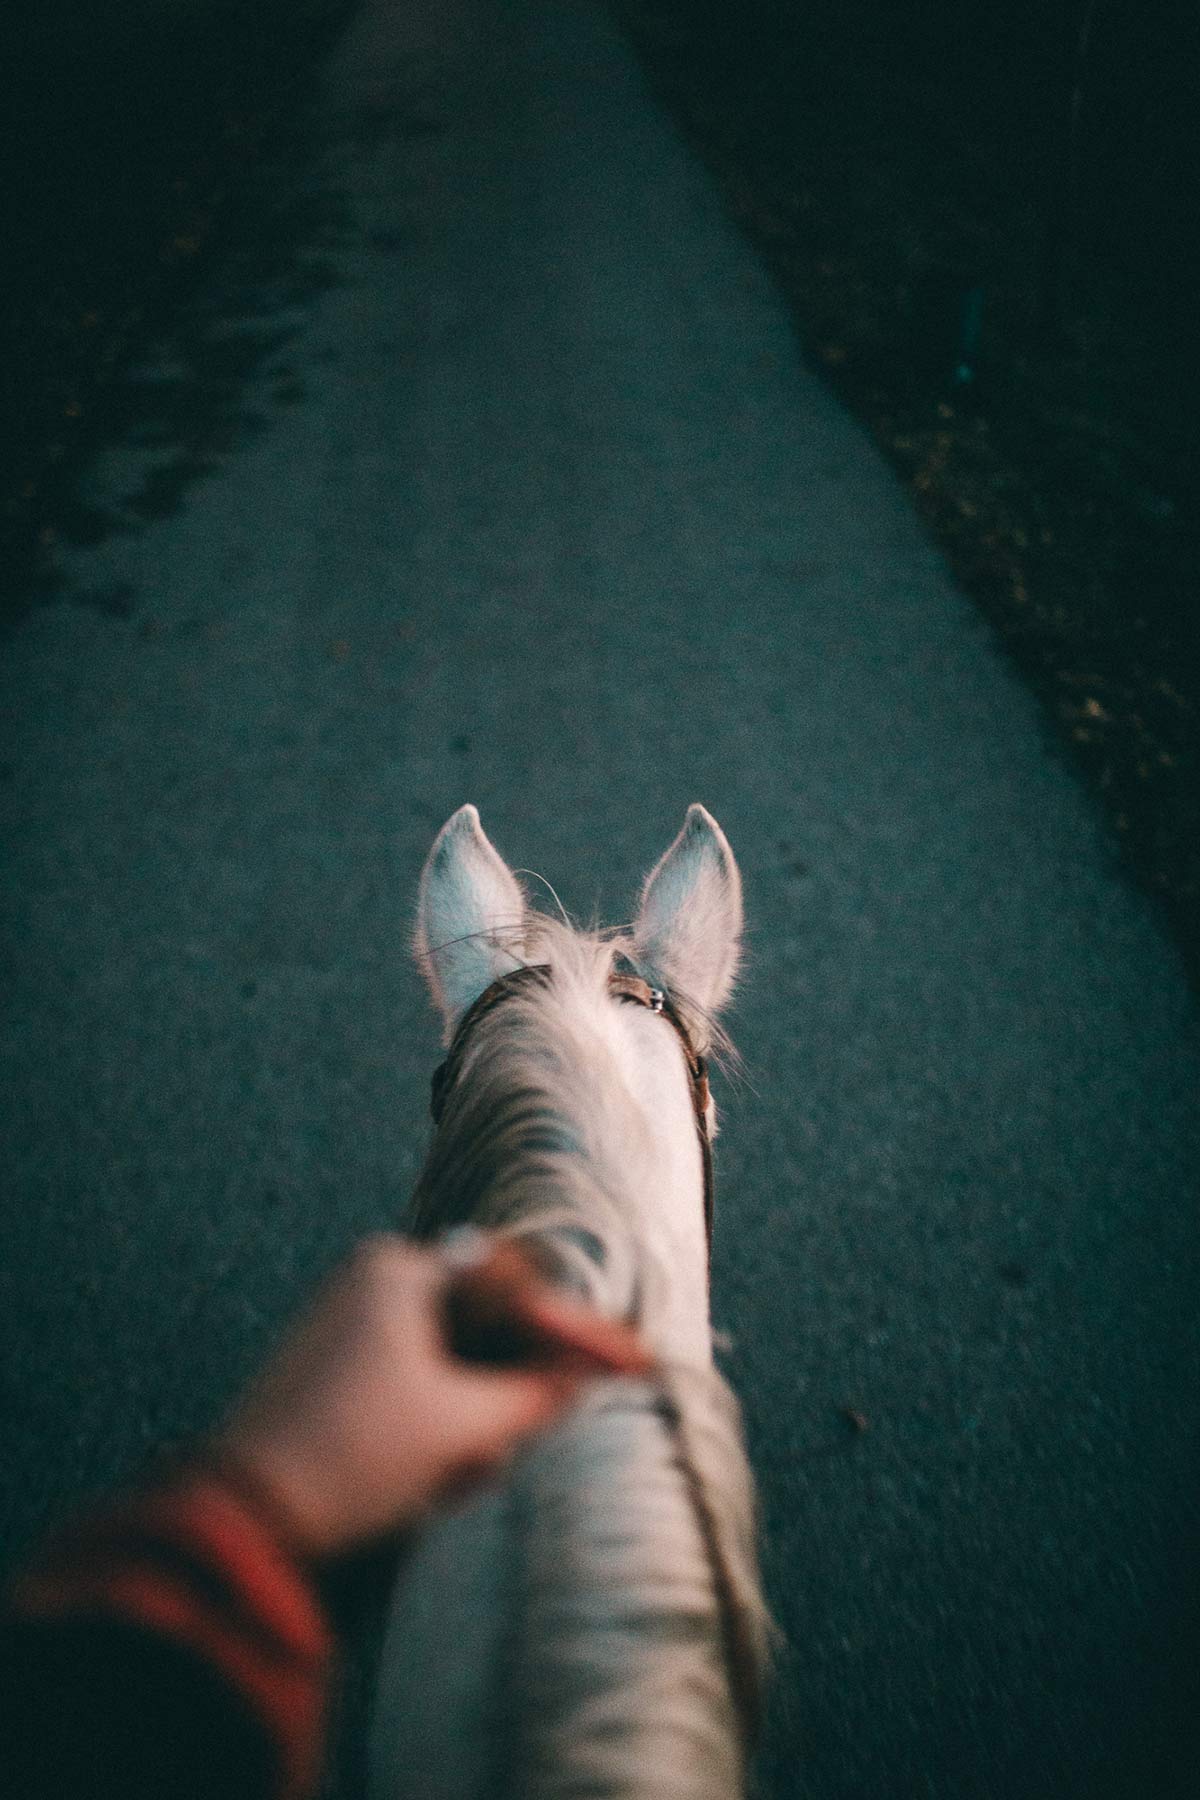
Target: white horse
(595,1626)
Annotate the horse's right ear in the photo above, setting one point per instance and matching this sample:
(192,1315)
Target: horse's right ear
(470,917)
(689,927)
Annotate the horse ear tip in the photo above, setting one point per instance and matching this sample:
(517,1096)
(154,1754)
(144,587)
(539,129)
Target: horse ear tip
(462,823)
(700,825)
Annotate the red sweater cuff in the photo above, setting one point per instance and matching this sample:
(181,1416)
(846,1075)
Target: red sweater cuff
(196,1563)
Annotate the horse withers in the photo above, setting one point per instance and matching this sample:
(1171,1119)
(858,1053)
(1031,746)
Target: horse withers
(593,1625)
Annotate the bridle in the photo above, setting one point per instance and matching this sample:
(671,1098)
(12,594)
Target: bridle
(629,987)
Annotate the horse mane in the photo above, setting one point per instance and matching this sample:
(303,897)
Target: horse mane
(529,1131)
(542,1122)
(641,1675)
(636,1635)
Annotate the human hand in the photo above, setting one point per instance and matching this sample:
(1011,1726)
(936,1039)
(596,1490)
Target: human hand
(365,1418)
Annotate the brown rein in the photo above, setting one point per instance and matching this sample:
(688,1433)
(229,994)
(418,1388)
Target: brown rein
(625,987)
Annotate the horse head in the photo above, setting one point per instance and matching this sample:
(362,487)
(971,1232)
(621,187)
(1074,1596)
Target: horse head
(474,921)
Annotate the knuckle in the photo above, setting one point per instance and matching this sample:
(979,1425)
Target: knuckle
(376,1259)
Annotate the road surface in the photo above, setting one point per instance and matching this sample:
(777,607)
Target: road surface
(486,467)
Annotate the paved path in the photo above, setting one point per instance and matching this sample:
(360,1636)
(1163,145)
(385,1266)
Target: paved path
(522,495)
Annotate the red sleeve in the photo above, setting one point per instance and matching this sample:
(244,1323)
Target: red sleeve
(168,1646)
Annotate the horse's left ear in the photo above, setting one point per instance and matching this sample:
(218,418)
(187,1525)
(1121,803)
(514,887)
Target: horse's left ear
(470,917)
(689,926)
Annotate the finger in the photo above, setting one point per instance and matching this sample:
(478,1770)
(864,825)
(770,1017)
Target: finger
(522,1404)
(513,1408)
(499,1311)
(574,1334)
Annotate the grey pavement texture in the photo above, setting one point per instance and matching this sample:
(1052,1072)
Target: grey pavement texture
(559,523)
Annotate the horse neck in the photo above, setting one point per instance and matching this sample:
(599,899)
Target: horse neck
(579,1132)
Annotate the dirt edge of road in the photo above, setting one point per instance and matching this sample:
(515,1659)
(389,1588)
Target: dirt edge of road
(1051,473)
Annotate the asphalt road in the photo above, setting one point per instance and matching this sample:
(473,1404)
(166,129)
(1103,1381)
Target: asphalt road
(486,468)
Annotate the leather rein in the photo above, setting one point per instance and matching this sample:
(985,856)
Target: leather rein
(625,987)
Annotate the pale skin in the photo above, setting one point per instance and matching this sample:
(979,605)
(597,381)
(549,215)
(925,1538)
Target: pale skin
(365,1420)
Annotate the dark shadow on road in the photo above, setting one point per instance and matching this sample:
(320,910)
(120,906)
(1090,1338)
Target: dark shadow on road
(119,332)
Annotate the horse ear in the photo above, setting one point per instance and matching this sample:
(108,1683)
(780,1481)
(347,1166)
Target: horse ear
(470,917)
(689,926)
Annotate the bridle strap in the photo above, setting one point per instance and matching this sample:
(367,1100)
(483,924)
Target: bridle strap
(625,987)
(632,987)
